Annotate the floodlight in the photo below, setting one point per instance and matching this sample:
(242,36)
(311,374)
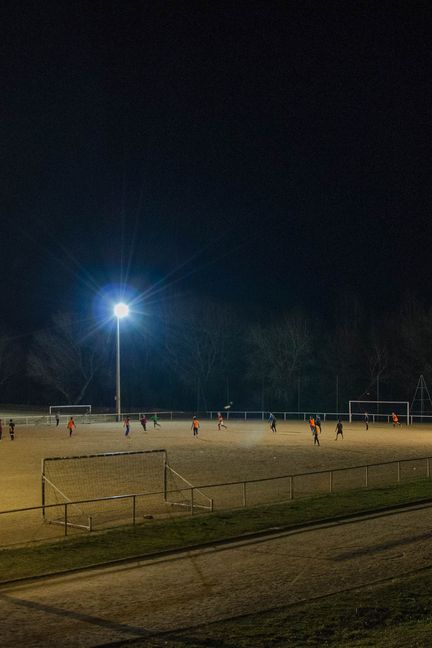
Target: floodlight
(121,310)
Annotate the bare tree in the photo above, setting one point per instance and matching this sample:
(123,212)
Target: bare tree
(66,358)
(197,342)
(280,353)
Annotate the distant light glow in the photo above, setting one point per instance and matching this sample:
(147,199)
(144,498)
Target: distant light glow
(121,310)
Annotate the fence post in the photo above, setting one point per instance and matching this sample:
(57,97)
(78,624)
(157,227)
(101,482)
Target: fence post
(331,481)
(284,416)
(245,416)
(244,493)
(65,518)
(133,509)
(427,468)
(398,471)
(367,476)
(192,501)
(291,483)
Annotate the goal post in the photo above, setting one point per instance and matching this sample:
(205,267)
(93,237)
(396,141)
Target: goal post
(379,411)
(106,487)
(70,409)
(82,412)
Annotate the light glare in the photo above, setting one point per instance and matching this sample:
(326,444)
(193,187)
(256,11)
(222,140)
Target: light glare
(121,310)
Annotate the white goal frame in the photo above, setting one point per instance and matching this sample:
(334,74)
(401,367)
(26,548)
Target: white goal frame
(166,471)
(56,408)
(405,404)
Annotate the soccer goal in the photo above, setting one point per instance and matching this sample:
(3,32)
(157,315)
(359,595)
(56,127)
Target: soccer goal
(82,412)
(379,411)
(114,487)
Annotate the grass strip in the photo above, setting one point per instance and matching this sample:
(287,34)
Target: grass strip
(397,614)
(153,536)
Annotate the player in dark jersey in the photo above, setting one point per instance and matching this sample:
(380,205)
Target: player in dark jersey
(11,429)
(339,429)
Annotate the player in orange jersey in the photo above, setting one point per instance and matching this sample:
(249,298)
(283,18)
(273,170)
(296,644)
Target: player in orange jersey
(195,426)
(395,419)
(71,425)
(312,425)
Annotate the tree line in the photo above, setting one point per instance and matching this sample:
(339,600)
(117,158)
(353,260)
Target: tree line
(199,354)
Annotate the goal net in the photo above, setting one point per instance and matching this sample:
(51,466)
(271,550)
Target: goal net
(82,413)
(379,411)
(100,489)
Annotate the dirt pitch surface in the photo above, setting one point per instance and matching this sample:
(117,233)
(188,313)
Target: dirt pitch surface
(246,450)
(143,599)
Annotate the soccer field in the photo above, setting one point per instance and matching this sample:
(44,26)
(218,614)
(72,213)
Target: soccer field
(246,450)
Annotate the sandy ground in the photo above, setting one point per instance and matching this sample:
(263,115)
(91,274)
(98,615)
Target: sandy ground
(246,450)
(197,587)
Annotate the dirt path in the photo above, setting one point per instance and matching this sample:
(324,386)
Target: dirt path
(196,587)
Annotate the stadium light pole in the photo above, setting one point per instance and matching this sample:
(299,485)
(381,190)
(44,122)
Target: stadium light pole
(120,310)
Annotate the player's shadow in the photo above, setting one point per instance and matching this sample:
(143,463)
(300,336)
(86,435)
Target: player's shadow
(78,616)
(364,551)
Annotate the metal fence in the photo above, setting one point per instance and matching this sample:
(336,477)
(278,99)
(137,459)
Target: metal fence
(238,415)
(25,525)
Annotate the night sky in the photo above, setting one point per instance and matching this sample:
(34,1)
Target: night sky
(267,152)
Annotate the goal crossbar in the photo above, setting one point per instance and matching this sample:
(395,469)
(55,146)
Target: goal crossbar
(58,408)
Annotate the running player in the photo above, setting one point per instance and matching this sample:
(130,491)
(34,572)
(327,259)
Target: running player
(366,420)
(195,426)
(339,429)
(312,424)
(155,419)
(11,429)
(315,436)
(221,421)
(395,419)
(272,421)
(143,421)
(318,422)
(71,425)
(126,425)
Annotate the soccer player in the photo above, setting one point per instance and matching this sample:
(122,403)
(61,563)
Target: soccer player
(195,426)
(71,425)
(143,421)
(155,420)
(312,424)
(395,419)
(366,420)
(57,419)
(272,421)
(339,429)
(11,429)
(221,421)
(318,422)
(126,425)
(315,436)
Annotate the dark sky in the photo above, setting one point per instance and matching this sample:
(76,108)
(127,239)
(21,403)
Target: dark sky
(276,152)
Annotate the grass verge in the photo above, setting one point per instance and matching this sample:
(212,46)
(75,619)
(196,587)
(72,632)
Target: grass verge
(178,532)
(392,615)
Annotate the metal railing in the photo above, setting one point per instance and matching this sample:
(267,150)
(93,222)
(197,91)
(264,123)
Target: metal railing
(239,415)
(214,496)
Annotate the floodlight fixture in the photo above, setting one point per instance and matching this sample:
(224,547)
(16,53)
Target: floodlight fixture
(121,310)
